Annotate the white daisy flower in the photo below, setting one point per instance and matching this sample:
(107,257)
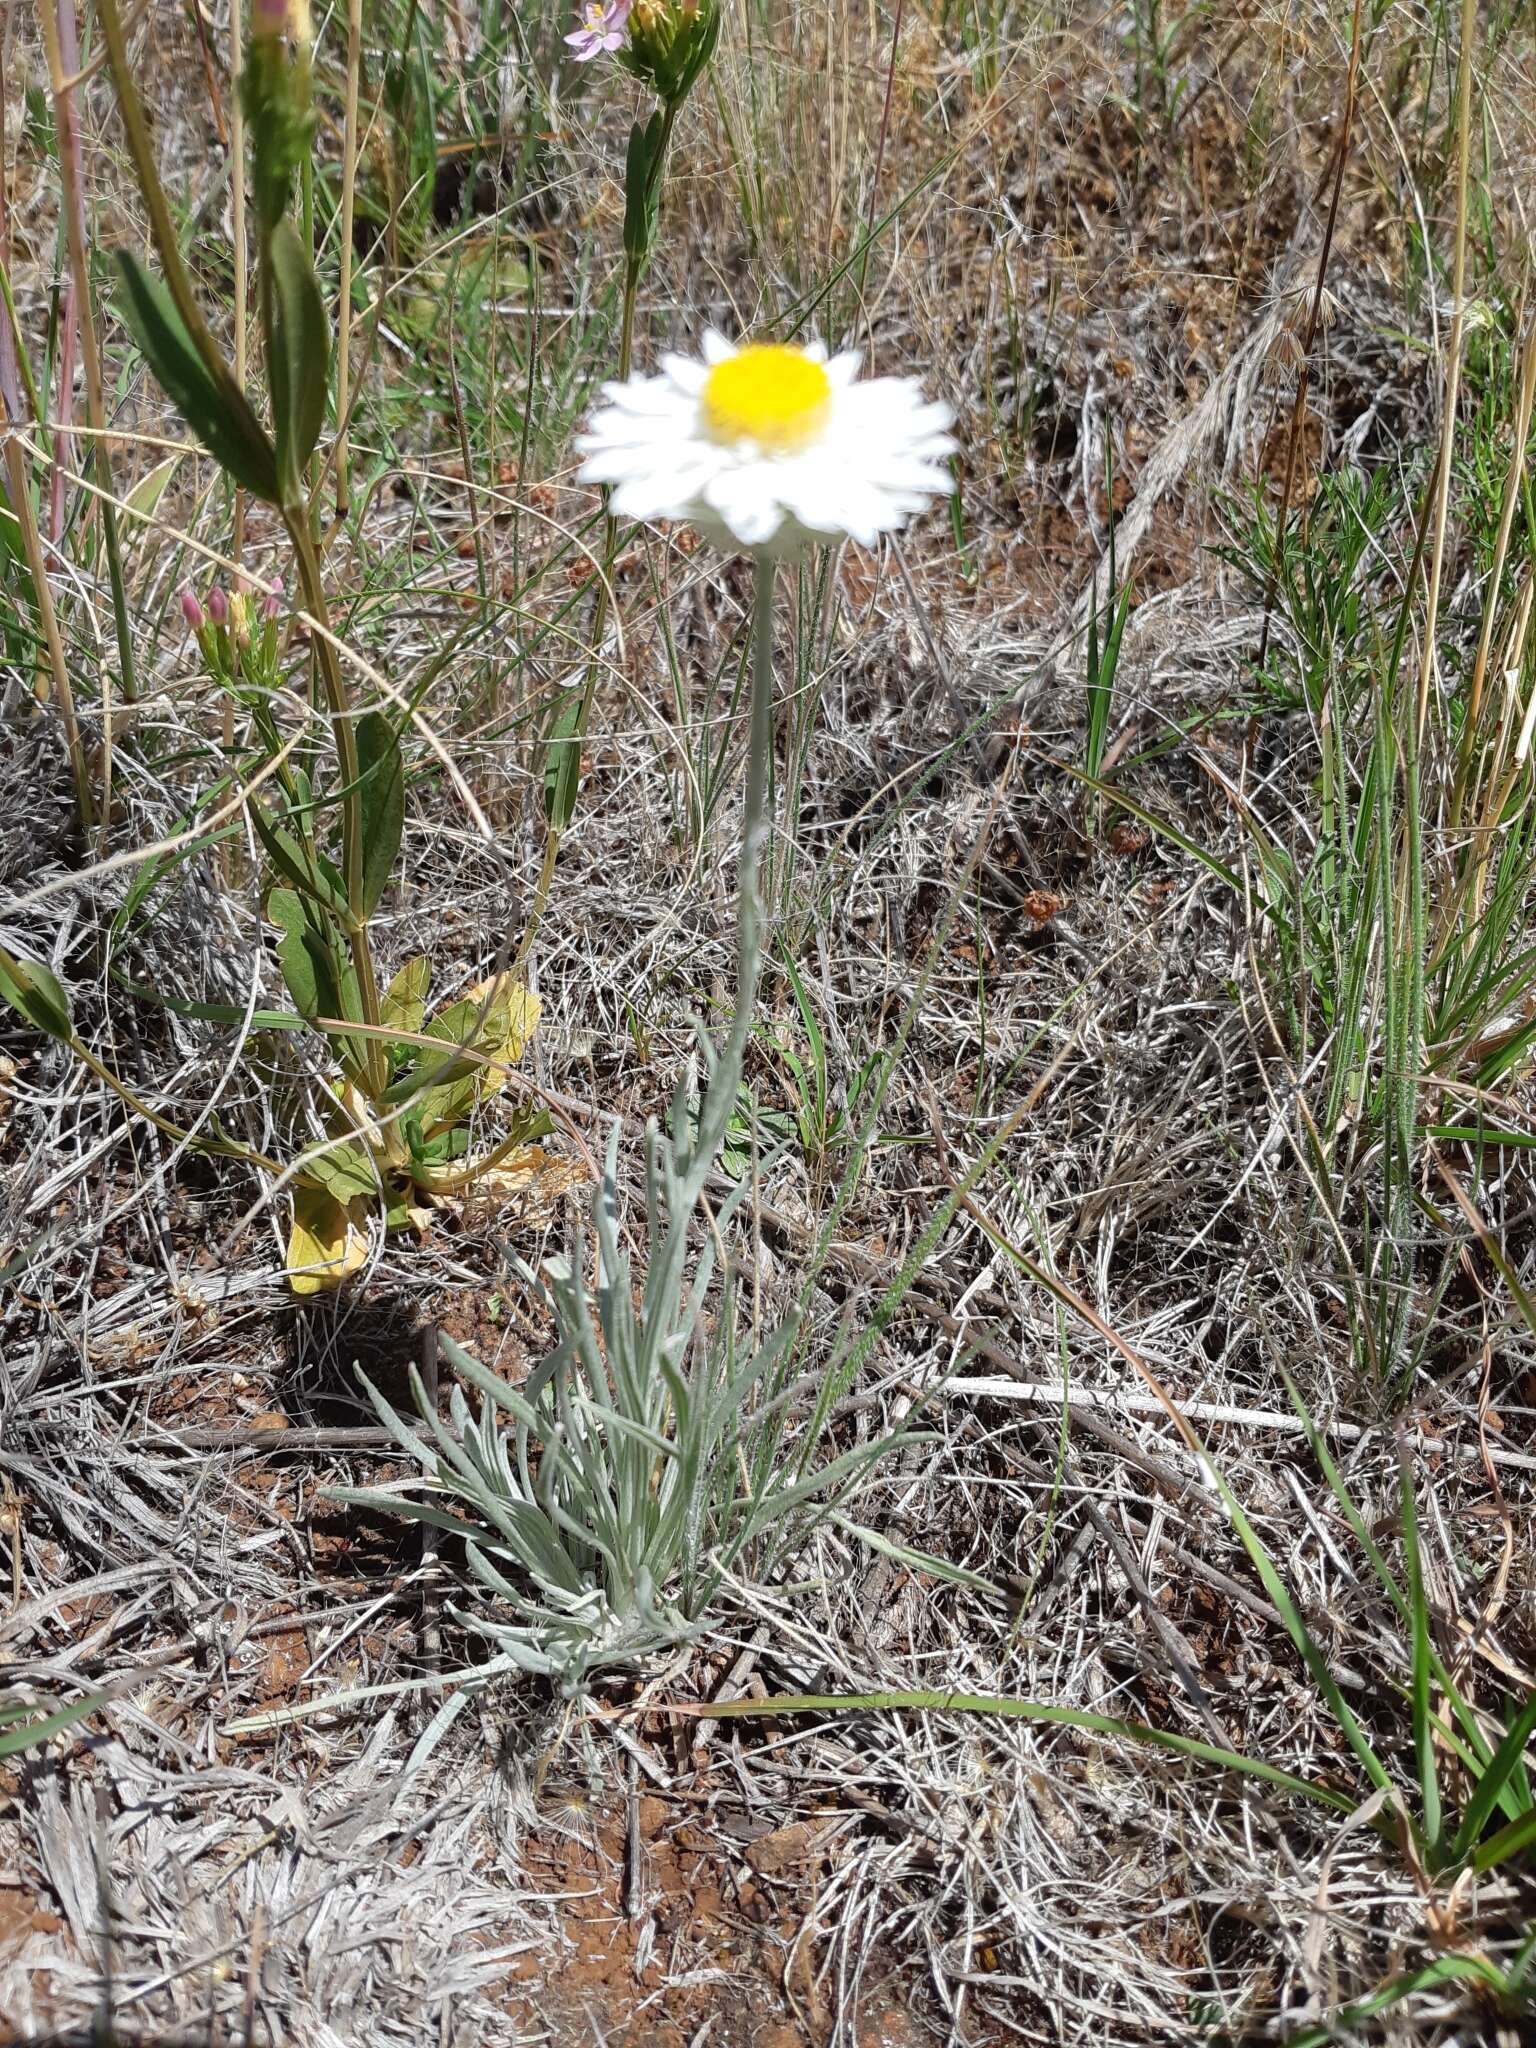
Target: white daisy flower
(768,447)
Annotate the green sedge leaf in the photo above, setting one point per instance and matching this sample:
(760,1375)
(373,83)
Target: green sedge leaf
(220,418)
(562,772)
(19,1730)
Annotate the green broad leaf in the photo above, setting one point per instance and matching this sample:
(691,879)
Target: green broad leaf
(328,1242)
(436,1074)
(405,1000)
(383,803)
(221,419)
(37,994)
(345,1171)
(298,356)
(307,966)
(310,874)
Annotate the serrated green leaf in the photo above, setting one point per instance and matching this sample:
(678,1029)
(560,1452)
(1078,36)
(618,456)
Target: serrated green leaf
(383,803)
(220,419)
(37,994)
(298,356)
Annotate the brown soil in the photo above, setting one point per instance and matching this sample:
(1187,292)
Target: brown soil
(709,1938)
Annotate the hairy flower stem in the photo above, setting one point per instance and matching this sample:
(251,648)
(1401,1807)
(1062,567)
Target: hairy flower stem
(719,1103)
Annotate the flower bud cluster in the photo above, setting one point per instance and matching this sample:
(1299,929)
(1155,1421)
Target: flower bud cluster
(237,632)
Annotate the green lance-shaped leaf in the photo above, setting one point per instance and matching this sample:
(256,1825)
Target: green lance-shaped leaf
(405,1000)
(298,355)
(562,768)
(37,994)
(311,874)
(642,193)
(383,803)
(220,418)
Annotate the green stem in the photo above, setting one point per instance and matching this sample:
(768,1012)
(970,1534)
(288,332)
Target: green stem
(339,705)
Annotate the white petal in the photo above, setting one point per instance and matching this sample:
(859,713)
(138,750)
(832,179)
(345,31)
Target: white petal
(842,369)
(686,372)
(746,500)
(716,348)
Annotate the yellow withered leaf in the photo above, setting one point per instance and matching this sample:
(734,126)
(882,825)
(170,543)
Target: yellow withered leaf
(512,1016)
(329,1239)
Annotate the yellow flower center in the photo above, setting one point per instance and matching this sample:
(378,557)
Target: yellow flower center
(778,397)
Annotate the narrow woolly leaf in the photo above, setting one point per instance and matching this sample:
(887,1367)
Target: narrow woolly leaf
(220,419)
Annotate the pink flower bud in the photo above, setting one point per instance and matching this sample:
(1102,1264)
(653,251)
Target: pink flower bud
(218,606)
(191,610)
(272,603)
(269,17)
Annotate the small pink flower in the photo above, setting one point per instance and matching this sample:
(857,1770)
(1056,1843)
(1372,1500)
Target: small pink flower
(218,606)
(192,611)
(603,27)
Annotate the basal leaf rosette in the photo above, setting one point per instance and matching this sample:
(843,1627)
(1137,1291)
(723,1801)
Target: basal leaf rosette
(410,1154)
